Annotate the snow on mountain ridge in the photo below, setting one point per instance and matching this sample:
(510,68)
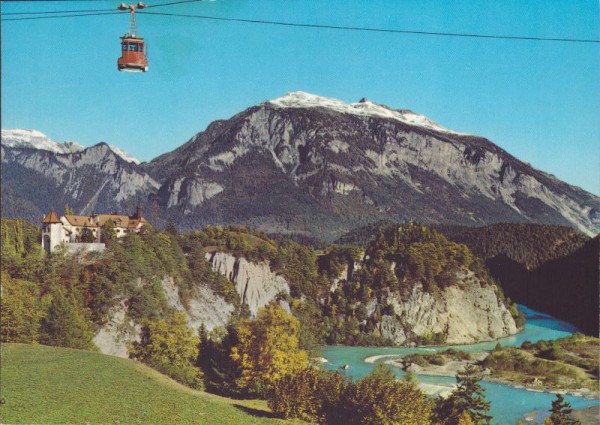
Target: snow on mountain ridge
(25,138)
(299,99)
(21,138)
(123,154)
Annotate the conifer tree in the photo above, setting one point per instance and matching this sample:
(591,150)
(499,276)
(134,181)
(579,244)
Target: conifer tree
(465,419)
(65,324)
(560,413)
(468,396)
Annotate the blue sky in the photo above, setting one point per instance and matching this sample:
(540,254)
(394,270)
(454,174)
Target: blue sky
(538,100)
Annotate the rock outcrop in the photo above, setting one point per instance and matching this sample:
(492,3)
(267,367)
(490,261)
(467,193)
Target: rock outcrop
(301,164)
(256,284)
(203,307)
(458,316)
(114,337)
(94,179)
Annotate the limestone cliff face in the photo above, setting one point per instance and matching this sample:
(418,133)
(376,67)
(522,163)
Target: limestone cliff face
(94,179)
(459,316)
(256,284)
(203,307)
(114,337)
(327,166)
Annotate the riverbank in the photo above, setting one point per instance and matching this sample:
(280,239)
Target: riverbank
(503,397)
(449,368)
(452,367)
(578,392)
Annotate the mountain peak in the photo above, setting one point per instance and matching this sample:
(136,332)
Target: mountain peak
(25,138)
(364,107)
(34,139)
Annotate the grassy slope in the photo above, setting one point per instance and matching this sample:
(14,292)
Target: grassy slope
(575,368)
(43,384)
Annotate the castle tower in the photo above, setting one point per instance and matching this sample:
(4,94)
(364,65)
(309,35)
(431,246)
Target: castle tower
(51,231)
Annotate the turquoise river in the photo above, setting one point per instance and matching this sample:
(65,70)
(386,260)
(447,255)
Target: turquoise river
(509,404)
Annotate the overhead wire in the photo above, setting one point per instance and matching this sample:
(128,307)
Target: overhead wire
(81,13)
(368,29)
(50,12)
(97,10)
(112,12)
(52,1)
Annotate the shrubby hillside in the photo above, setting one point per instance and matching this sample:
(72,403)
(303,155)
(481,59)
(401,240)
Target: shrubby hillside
(403,288)
(528,244)
(550,268)
(339,295)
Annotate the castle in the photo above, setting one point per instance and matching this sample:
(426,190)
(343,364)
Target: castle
(71,229)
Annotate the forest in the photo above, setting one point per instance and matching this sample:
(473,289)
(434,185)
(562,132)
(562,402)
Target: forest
(63,300)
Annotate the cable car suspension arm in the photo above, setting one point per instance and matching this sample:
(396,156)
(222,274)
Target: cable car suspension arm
(132,9)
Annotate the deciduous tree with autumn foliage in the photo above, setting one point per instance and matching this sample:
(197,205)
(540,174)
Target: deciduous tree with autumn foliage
(267,349)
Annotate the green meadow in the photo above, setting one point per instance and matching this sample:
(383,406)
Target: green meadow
(42,384)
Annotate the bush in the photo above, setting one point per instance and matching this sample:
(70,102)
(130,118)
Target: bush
(65,324)
(380,399)
(170,347)
(21,314)
(307,394)
(327,398)
(553,353)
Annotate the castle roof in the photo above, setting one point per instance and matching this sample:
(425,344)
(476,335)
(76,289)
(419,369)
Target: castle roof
(120,220)
(80,220)
(51,217)
(96,220)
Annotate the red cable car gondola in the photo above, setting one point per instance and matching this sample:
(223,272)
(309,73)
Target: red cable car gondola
(133,52)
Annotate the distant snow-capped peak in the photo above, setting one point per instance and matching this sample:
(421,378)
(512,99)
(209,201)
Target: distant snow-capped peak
(299,99)
(123,154)
(22,138)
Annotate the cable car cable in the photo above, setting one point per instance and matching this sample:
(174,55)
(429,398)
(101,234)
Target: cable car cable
(97,10)
(58,11)
(174,3)
(319,26)
(112,12)
(382,30)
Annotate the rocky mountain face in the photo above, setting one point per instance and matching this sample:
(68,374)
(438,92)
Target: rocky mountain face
(94,179)
(203,307)
(462,316)
(255,283)
(308,165)
(318,166)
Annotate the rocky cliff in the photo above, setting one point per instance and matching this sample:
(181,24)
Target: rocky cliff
(304,163)
(94,179)
(203,307)
(256,284)
(301,164)
(455,316)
